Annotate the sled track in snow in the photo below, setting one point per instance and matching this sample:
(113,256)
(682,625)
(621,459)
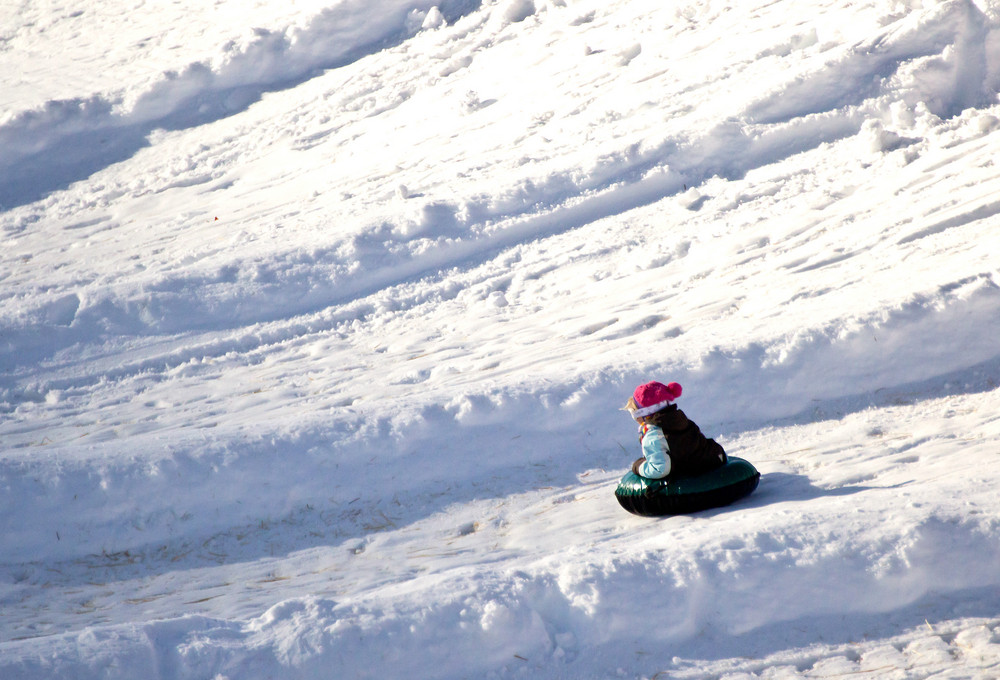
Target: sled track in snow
(93,133)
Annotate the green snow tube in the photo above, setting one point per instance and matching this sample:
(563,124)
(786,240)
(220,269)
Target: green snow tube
(680,495)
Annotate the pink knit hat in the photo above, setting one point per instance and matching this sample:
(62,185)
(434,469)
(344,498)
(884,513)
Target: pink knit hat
(652,397)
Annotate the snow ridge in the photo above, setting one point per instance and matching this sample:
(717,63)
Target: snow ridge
(95,131)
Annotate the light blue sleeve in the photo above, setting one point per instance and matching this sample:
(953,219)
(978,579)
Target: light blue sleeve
(657,453)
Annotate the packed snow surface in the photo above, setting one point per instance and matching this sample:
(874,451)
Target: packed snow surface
(316,319)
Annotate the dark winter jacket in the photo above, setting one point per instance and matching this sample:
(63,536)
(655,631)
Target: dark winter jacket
(690,451)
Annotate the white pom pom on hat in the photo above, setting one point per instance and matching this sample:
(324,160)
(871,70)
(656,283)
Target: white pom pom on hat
(651,397)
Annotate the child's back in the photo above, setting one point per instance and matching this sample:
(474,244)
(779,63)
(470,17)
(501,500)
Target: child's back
(671,443)
(690,451)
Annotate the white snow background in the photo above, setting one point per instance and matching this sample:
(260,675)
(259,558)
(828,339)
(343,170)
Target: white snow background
(316,318)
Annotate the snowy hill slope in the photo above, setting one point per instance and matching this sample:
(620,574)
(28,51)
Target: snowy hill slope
(315,324)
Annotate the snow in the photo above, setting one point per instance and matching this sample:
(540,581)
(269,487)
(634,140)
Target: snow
(316,319)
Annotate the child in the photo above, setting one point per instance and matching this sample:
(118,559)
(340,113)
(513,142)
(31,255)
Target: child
(671,444)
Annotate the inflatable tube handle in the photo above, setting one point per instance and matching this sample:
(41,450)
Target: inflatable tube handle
(654,488)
